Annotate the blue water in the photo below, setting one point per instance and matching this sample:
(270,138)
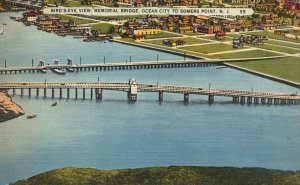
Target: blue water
(114,133)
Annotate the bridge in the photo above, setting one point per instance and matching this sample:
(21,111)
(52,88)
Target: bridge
(132,88)
(122,66)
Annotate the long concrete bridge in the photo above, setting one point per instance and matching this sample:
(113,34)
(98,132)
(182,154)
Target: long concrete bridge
(132,88)
(122,66)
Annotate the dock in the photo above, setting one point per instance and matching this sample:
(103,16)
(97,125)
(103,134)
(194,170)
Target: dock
(133,88)
(129,65)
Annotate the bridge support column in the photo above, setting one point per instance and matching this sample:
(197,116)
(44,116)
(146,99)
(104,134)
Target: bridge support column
(76,93)
(91,94)
(98,93)
(235,99)
(14,92)
(68,93)
(243,99)
(276,101)
(256,100)
(45,92)
(296,102)
(210,99)
(289,101)
(283,101)
(270,101)
(37,92)
(249,100)
(83,93)
(60,93)
(52,92)
(160,96)
(29,92)
(263,100)
(132,93)
(22,92)
(186,97)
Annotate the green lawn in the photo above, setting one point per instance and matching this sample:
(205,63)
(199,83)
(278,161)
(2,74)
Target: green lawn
(188,40)
(278,48)
(214,39)
(210,48)
(294,45)
(77,20)
(287,68)
(161,35)
(104,27)
(245,54)
(174,175)
(272,35)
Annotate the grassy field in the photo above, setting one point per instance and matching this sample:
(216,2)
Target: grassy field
(214,39)
(165,176)
(273,36)
(211,48)
(104,27)
(188,40)
(77,20)
(278,48)
(294,45)
(161,35)
(287,68)
(245,54)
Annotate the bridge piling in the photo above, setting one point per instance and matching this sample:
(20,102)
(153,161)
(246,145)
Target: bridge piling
(160,96)
(37,92)
(68,93)
(98,93)
(60,93)
(210,99)
(243,99)
(91,93)
(249,100)
(45,92)
(270,101)
(52,92)
(263,101)
(235,99)
(256,100)
(186,97)
(76,93)
(83,93)
(29,92)
(14,91)
(22,92)
(132,93)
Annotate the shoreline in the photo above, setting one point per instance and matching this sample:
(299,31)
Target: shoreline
(8,108)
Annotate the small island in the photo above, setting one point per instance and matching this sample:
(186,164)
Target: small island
(8,108)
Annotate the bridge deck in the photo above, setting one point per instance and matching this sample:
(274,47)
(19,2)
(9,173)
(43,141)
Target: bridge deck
(149,88)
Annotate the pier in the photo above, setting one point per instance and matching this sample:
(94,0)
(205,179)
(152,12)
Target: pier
(122,66)
(133,88)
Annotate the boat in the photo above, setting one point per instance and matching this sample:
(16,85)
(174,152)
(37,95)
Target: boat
(33,115)
(70,69)
(54,104)
(220,67)
(59,71)
(43,70)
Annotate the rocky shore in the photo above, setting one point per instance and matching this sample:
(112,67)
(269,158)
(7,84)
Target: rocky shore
(8,108)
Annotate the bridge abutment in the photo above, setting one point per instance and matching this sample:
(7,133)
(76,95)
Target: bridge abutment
(186,97)
(160,96)
(211,99)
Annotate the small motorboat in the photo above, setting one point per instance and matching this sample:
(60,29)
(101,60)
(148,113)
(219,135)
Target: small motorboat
(59,71)
(30,116)
(70,69)
(54,104)
(43,70)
